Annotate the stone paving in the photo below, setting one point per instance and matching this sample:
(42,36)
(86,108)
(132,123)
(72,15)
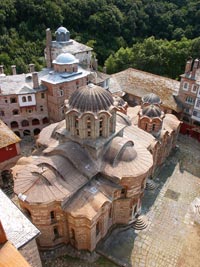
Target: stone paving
(160,244)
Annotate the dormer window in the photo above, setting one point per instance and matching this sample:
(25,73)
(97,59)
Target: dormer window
(23,99)
(29,98)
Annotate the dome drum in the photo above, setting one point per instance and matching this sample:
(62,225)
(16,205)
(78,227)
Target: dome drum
(90,113)
(62,34)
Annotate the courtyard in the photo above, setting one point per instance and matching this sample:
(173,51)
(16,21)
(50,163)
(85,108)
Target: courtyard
(172,239)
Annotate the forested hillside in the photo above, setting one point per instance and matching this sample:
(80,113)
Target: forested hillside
(156,36)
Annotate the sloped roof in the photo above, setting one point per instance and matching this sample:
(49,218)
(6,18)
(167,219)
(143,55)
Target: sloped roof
(7,136)
(140,83)
(19,230)
(91,198)
(11,257)
(47,179)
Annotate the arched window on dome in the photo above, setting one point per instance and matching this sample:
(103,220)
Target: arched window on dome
(101,125)
(76,125)
(153,127)
(88,121)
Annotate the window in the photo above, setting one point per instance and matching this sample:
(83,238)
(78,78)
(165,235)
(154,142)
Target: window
(6,100)
(23,99)
(41,108)
(194,88)
(97,228)
(29,98)
(197,103)
(13,124)
(189,100)
(13,100)
(61,93)
(35,122)
(15,112)
(52,215)
(185,86)
(56,233)
(42,95)
(2,113)
(153,127)
(30,111)
(24,123)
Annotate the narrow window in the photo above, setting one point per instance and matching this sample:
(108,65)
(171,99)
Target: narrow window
(42,95)
(97,228)
(153,127)
(52,215)
(56,233)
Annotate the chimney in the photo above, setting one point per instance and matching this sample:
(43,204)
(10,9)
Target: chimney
(48,48)
(3,237)
(32,67)
(48,37)
(35,80)
(104,69)
(1,69)
(13,67)
(188,66)
(195,67)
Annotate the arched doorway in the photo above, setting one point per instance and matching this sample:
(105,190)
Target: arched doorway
(36,131)
(26,133)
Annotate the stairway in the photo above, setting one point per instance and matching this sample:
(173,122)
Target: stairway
(151,185)
(141,223)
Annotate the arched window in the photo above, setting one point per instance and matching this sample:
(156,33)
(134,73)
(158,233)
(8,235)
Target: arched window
(45,120)
(100,126)
(35,122)
(26,132)
(2,113)
(98,228)
(14,124)
(23,99)
(36,131)
(24,123)
(15,112)
(29,98)
(88,126)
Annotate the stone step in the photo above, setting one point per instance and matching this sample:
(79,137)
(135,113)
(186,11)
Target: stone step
(151,185)
(141,223)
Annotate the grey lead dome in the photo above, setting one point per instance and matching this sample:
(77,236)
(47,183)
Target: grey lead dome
(91,98)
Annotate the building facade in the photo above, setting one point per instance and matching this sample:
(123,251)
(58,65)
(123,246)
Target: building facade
(23,103)
(189,99)
(9,154)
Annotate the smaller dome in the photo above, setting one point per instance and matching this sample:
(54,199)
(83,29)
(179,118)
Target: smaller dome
(151,111)
(91,98)
(61,30)
(151,99)
(65,58)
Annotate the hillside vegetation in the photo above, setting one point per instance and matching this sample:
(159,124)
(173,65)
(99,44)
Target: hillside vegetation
(156,36)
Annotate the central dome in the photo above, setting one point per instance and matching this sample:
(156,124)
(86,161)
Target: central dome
(151,111)
(61,30)
(65,58)
(151,99)
(91,98)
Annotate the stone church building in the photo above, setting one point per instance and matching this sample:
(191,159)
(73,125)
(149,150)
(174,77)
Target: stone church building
(93,166)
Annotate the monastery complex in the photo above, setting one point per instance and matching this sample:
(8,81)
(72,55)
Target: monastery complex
(99,140)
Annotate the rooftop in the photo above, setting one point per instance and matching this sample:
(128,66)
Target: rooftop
(73,47)
(140,83)
(7,136)
(19,230)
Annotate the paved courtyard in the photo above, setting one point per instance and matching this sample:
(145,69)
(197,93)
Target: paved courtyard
(161,244)
(171,238)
